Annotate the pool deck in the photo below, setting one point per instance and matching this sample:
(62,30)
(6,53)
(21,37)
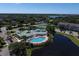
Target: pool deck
(46,39)
(32,32)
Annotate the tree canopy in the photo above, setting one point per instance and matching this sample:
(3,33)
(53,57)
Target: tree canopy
(18,49)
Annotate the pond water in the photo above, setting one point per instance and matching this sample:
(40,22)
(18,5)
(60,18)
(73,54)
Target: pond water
(61,46)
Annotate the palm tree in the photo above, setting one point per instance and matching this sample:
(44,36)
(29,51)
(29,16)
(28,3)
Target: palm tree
(50,29)
(24,37)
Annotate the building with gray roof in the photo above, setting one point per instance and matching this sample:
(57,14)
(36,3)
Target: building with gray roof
(69,26)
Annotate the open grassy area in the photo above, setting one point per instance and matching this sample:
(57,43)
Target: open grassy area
(29,51)
(74,39)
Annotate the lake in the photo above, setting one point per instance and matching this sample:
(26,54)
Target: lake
(61,46)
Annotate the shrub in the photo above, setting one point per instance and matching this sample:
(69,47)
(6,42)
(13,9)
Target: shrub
(9,28)
(2,42)
(12,31)
(22,29)
(18,49)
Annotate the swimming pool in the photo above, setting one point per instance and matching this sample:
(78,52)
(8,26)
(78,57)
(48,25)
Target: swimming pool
(39,40)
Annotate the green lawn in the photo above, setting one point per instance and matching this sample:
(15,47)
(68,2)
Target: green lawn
(29,51)
(74,39)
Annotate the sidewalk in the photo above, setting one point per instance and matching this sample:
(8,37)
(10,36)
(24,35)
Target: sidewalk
(4,51)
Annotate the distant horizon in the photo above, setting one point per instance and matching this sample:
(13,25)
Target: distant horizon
(32,13)
(37,13)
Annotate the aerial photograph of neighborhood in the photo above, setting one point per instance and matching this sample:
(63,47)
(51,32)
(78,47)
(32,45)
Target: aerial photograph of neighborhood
(39,29)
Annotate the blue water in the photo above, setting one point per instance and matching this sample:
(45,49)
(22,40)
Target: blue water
(39,39)
(61,46)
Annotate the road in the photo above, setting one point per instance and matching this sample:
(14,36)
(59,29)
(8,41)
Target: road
(4,51)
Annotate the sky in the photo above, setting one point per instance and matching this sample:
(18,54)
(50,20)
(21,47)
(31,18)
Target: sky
(42,8)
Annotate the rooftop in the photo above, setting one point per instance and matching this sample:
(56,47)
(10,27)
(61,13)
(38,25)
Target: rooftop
(70,26)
